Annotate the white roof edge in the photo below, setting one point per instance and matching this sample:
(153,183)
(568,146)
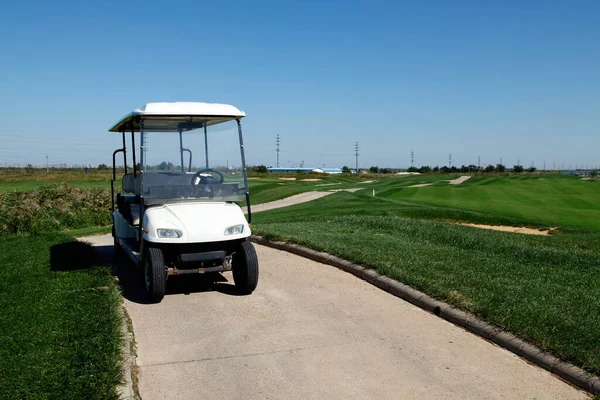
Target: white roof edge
(191,109)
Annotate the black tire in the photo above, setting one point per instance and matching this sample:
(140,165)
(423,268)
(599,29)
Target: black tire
(155,275)
(245,268)
(119,252)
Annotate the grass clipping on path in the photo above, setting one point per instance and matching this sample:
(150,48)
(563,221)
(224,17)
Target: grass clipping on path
(60,330)
(544,289)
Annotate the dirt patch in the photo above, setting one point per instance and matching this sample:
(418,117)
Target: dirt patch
(421,185)
(513,229)
(311,180)
(460,180)
(352,190)
(460,299)
(288,179)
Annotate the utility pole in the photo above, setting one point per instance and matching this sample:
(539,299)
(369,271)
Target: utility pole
(47,167)
(412,158)
(500,160)
(518,161)
(277,141)
(450,160)
(544,165)
(356,155)
(478,162)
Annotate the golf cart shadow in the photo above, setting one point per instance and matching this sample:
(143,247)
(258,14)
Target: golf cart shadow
(76,256)
(132,283)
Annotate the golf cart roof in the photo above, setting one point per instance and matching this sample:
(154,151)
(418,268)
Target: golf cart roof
(168,117)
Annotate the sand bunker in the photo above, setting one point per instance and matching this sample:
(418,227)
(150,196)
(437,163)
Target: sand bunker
(421,185)
(352,190)
(310,180)
(329,184)
(367,182)
(513,229)
(288,179)
(460,180)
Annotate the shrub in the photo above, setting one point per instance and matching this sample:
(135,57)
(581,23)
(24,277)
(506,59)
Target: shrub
(261,169)
(53,207)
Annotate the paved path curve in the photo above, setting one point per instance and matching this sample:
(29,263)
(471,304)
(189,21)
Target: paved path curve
(288,201)
(311,331)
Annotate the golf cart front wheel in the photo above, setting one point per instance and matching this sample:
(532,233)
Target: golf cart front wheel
(245,268)
(155,276)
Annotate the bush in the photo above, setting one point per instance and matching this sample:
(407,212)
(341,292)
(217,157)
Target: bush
(53,207)
(260,169)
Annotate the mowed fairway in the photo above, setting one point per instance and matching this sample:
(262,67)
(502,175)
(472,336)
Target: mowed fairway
(552,200)
(544,289)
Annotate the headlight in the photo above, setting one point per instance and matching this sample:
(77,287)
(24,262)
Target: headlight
(168,233)
(234,230)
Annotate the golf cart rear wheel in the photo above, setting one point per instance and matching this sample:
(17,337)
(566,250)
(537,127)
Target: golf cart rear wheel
(245,268)
(155,276)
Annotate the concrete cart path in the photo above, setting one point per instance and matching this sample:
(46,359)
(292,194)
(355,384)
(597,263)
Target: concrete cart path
(288,201)
(311,331)
(296,199)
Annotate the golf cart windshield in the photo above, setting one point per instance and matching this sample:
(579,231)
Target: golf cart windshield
(191,160)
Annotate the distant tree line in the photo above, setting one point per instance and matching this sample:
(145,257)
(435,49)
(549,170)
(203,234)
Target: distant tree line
(426,169)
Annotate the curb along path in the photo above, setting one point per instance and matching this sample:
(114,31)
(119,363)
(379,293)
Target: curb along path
(570,372)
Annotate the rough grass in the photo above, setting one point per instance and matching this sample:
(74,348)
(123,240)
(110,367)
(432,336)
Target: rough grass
(51,208)
(60,327)
(23,179)
(544,289)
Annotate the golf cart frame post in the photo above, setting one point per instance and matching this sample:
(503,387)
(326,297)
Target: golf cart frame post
(114,174)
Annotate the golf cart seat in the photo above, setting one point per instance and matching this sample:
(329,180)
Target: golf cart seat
(131,184)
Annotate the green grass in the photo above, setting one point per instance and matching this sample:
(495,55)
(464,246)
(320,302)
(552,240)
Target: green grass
(60,328)
(544,289)
(271,187)
(548,199)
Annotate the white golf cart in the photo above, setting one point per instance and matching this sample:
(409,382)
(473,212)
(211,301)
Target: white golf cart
(177,214)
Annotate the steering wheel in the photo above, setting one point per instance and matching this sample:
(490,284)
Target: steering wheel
(204,180)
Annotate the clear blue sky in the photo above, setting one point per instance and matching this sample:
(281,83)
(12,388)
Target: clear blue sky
(510,79)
